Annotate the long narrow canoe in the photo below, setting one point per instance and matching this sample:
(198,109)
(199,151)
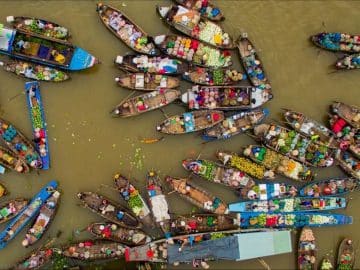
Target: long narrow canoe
(190,122)
(192,50)
(349,113)
(190,23)
(235,124)
(26,215)
(337,42)
(39,26)
(207,9)
(348,62)
(349,163)
(307,250)
(146,102)
(10,160)
(37,259)
(225,97)
(11,208)
(34,71)
(43,220)
(197,195)
(147,81)
(346,255)
(37,116)
(268,191)
(3,190)
(126,30)
(252,64)
(296,204)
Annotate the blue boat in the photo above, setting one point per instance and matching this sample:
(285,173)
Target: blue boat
(37,116)
(26,215)
(296,204)
(292,220)
(43,50)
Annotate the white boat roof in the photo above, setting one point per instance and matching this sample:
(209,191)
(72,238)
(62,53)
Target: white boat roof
(6,35)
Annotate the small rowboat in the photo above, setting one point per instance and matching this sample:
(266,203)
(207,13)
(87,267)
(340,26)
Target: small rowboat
(147,81)
(278,163)
(207,9)
(295,204)
(111,231)
(146,102)
(126,30)
(198,223)
(236,124)
(326,264)
(294,145)
(132,196)
(108,209)
(43,220)
(252,64)
(3,191)
(225,97)
(192,50)
(349,163)
(10,160)
(34,71)
(90,250)
(349,62)
(151,64)
(39,26)
(337,42)
(197,195)
(37,259)
(268,191)
(213,76)
(37,116)
(11,208)
(217,173)
(330,187)
(190,23)
(307,251)
(19,144)
(346,255)
(350,114)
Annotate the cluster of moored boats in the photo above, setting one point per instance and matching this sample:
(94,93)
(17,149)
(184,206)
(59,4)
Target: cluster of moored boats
(202,56)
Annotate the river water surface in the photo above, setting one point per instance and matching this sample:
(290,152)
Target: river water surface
(88,146)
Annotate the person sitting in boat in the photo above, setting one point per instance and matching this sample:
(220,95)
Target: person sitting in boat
(40,24)
(114,20)
(29,72)
(58,57)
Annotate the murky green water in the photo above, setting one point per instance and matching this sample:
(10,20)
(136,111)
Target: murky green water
(87,145)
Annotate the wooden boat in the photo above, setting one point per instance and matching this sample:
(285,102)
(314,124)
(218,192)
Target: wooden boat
(190,122)
(34,71)
(37,117)
(147,81)
(20,145)
(213,76)
(294,145)
(346,255)
(36,260)
(278,163)
(348,62)
(295,204)
(268,191)
(157,201)
(113,232)
(349,163)
(3,191)
(337,42)
(189,22)
(206,9)
(349,113)
(198,223)
(330,187)
(129,193)
(307,250)
(151,64)
(197,195)
(126,30)
(194,51)
(35,48)
(26,215)
(292,220)
(225,97)
(326,264)
(11,208)
(235,124)
(39,26)
(217,173)
(252,64)
(146,102)
(10,160)
(90,250)
(108,209)
(43,220)
(310,128)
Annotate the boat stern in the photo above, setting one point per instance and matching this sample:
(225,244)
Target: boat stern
(162,10)
(158,40)
(82,60)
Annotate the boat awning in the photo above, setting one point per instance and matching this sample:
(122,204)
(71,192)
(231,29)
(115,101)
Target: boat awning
(6,38)
(81,59)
